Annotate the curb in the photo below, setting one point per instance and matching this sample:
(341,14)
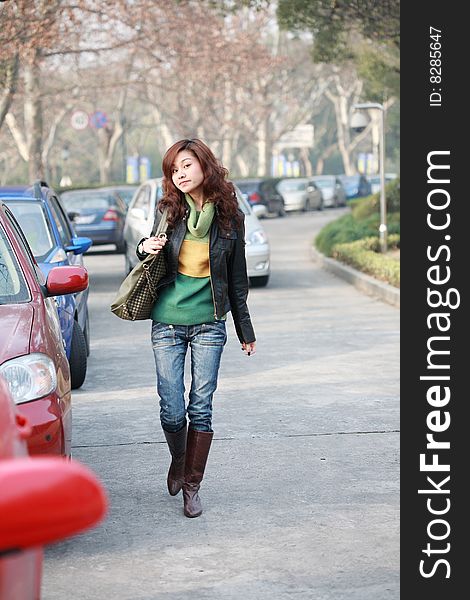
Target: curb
(365,283)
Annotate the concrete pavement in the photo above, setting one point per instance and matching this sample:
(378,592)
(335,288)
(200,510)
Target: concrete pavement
(301,494)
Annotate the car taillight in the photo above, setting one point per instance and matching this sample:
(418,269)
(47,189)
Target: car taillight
(254,197)
(111,215)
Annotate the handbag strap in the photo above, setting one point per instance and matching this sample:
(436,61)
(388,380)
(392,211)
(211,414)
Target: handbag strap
(163,224)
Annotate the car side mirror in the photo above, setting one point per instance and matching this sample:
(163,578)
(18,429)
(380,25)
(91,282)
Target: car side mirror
(79,245)
(72,215)
(66,280)
(46,499)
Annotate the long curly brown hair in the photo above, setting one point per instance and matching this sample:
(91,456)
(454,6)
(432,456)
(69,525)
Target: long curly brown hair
(215,186)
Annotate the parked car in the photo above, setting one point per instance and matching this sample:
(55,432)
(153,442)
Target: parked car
(125,191)
(43,500)
(54,243)
(374,181)
(356,186)
(332,190)
(300,193)
(32,354)
(140,218)
(263,195)
(97,214)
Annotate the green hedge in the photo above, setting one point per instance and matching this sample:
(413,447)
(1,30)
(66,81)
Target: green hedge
(354,238)
(348,229)
(365,256)
(363,221)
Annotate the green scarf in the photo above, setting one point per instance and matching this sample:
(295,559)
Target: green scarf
(199,223)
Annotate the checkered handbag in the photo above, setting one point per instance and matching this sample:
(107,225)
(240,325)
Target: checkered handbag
(138,292)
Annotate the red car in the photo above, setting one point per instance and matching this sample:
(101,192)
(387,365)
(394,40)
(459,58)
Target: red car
(32,354)
(42,500)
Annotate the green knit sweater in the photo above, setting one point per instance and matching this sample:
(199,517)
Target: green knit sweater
(188,300)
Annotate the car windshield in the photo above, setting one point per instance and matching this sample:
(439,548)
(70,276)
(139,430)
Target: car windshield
(13,288)
(324,183)
(35,225)
(87,200)
(126,194)
(350,180)
(247,186)
(243,204)
(291,186)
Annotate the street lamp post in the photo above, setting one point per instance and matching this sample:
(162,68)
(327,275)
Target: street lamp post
(383,205)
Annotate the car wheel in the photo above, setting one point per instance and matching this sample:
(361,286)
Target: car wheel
(121,247)
(78,357)
(261,281)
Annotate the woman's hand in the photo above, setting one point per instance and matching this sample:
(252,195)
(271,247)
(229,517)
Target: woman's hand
(153,245)
(249,349)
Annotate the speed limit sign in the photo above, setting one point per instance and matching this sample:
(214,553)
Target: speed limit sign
(79,120)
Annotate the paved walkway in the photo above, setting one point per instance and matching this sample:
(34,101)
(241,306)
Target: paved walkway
(301,494)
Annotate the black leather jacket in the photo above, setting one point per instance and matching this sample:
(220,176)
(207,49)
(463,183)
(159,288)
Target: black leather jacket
(227,262)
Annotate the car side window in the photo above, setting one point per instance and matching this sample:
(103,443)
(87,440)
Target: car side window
(25,247)
(62,225)
(142,200)
(120,203)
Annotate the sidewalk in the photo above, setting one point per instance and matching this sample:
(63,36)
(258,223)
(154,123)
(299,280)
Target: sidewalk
(301,492)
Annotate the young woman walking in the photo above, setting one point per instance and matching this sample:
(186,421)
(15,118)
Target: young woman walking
(206,278)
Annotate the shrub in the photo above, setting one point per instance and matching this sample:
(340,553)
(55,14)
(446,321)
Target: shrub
(365,256)
(344,229)
(348,229)
(364,207)
(354,238)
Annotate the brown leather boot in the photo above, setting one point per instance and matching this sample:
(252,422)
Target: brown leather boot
(197,451)
(177,445)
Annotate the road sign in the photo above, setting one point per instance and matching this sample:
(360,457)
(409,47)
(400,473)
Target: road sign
(79,120)
(98,119)
(299,137)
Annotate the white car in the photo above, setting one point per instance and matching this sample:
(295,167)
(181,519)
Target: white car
(139,222)
(332,190)
(300,193)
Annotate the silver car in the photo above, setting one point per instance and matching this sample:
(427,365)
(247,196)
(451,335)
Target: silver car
(140,217)
(300,193)
(332,189)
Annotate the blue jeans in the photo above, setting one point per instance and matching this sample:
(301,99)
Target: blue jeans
(170,343)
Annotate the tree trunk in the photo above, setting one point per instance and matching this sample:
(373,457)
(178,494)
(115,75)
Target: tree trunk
(243,167)
(304,155)
(261,145)
(227,129)
(33,119)
(49,143)
(9,87)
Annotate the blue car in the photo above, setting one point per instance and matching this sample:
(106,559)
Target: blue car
(99,214)
(356,186)
(54,243)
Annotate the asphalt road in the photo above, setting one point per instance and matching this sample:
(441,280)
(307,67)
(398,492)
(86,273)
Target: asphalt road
(301,494)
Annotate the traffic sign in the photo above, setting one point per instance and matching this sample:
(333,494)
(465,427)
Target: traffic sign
(79,120)
(300,137)
(98,119)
